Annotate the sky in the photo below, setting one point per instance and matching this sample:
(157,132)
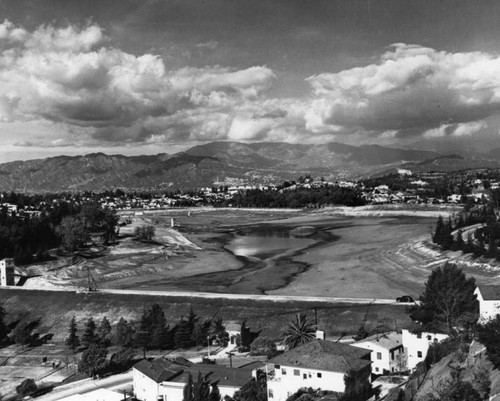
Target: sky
(159,76)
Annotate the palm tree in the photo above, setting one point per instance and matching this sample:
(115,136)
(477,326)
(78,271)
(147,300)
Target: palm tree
(300,331)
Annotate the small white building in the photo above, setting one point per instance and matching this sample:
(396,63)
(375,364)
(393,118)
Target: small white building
(165,380)
(488,297)
(7,272)
(416,346)
(318,364)
(386,352)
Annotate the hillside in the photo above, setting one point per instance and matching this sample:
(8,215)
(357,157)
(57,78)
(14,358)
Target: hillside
(221,162)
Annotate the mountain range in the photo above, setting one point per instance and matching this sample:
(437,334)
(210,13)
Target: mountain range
(225,163)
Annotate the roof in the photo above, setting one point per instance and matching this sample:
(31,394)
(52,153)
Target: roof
(158,370)
(490,292)
(325,355)
(217,374)
(388,341)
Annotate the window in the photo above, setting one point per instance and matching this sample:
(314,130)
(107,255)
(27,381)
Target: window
(304,376)
(376,369)
(379,355)
(392,356)
(429,337)
(283,371)
(419,335)
(271,395)
(296,372)
(419,354)
(319,375)
(277,366)
(435,340)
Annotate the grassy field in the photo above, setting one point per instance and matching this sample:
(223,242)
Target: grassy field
(56,309)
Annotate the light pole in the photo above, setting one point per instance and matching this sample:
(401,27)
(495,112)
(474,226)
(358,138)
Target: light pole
(208,343)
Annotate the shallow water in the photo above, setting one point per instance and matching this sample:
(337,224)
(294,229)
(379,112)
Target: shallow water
(266,244)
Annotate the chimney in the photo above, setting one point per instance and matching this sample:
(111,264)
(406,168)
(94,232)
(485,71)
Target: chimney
(320,335)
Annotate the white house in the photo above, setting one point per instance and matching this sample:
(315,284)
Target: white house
(416,346)
(488,297)
(318,364)
(165,380)
(386,352)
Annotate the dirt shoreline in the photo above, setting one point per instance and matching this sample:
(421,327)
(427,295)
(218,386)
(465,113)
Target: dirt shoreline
(357,250)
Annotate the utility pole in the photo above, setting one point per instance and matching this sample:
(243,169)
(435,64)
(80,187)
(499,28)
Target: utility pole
(230,358)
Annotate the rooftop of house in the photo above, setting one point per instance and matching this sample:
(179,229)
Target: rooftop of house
(325,355)
(159,370)
(216,374)
(489,292)
(390,340)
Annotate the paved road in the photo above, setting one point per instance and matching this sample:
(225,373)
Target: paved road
(116,383)
(211,295)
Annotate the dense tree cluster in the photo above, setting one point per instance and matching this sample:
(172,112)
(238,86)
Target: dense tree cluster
(65,224)
(298,198)
(481,241)
(151,331)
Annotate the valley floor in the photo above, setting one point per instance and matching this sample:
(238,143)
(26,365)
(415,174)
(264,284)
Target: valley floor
(368,252)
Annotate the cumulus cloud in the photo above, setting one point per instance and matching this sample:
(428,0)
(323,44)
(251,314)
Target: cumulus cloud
(411,87)
(73,77)
(68,75)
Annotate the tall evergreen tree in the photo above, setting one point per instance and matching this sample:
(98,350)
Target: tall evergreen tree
(89,335)
(460,244)
(183,335)
(73,341)
(124,334)
(492,245)
(469,245)
(437,237)
(4,331)
(245,334)
(200,332)
(192,319)
(201,388)
(448,300)
(214,393)
(93,359)
(104,332)
(22,333)
(142,336)
(187,392)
